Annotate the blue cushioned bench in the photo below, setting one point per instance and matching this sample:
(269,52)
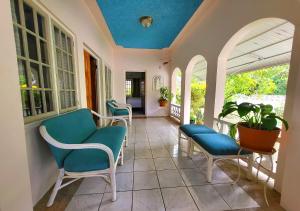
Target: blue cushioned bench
(120,110)
(215,146)
(83,150)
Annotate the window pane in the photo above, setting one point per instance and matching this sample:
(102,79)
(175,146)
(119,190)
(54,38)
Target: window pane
(32,48)
(58,58)
(41,24)
(15,10)
(49,101)
(46,76)
(68,99)
(29,20)
(22,73)
(35,75)
(57,37)
(62,100)
(38,100)
(26,103)
(61,79)
(73,98)
(63,41)
(69,43)
(19,41)
(66,80)
(65,61)
(44,53)
(71,63)
(72,85)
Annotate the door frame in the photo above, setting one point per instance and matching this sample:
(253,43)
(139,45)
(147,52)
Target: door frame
(98,76)
(146,87)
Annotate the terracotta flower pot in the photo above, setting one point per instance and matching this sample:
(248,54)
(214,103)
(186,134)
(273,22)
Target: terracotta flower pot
(257,140)
(163,103)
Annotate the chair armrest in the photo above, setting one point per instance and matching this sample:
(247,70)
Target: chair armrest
(60,145)
(112,118)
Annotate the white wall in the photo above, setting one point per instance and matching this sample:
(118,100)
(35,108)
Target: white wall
(76,15)
(207,33)
(149,61)
(15,193)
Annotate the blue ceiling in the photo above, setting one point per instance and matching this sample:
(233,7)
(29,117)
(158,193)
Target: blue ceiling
(169,17)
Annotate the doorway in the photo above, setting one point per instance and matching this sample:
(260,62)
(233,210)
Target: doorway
(135,92)
(90,64)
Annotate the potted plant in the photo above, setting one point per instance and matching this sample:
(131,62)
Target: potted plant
(165,96)
(257,127)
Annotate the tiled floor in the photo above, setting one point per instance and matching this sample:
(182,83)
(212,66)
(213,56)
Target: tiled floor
(158,175)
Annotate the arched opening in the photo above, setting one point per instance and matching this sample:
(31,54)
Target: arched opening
(194,90)
(254,67)
(176,94)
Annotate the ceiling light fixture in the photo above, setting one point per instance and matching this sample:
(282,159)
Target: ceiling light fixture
(146,21)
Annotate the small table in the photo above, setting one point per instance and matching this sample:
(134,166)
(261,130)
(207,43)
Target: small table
(261,154)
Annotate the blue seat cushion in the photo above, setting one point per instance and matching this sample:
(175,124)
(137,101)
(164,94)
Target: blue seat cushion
(191,129)
(218,144)
(70,128)
(92,159)
(120,112)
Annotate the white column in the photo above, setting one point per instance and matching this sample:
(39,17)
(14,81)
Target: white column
(214,99)
(289,168)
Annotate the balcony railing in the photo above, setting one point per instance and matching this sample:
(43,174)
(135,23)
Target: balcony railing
(175,111)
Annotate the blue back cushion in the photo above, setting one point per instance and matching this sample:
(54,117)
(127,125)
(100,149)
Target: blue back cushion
(110,107)
(71,128)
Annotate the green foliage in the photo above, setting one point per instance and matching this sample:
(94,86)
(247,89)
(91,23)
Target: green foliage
(258,116)
(165,94)
(198,90)
(266,81)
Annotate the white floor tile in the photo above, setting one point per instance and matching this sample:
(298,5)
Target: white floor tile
(145,180)
(178,199)
(144,165)
(164,163)
(147,200)
(92,185)
(169,178)
(85,202)
(123,202)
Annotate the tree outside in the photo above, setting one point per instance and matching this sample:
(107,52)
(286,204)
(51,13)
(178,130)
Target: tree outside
(266,86)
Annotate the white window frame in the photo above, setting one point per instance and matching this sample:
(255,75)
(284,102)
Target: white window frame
(61,28)
(28,61)
(50,20)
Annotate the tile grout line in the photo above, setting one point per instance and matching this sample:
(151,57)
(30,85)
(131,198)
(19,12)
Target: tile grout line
(162,197)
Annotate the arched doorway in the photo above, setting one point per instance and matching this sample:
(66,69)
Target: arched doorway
(176,94)
(254,67)
(195,81)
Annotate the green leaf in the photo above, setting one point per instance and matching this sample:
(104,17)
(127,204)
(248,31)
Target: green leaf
(226,112)
(269,123)
(266,109)
(233,130)
(244,109)
(285,123)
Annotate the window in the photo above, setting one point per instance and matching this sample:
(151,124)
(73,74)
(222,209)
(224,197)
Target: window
(32,47)
(128,88)
(65,69)
(108,80)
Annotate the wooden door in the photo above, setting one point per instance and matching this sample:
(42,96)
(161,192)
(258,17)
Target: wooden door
(90,64)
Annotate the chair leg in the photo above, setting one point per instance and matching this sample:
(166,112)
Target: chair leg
(56,187)
(113,185)
(122,156)
(210,163)
(250,166)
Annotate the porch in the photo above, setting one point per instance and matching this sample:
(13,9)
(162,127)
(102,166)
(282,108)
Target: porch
(62,56)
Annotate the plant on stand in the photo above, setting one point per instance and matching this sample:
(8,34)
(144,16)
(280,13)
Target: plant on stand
(165,96)
(257,126)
